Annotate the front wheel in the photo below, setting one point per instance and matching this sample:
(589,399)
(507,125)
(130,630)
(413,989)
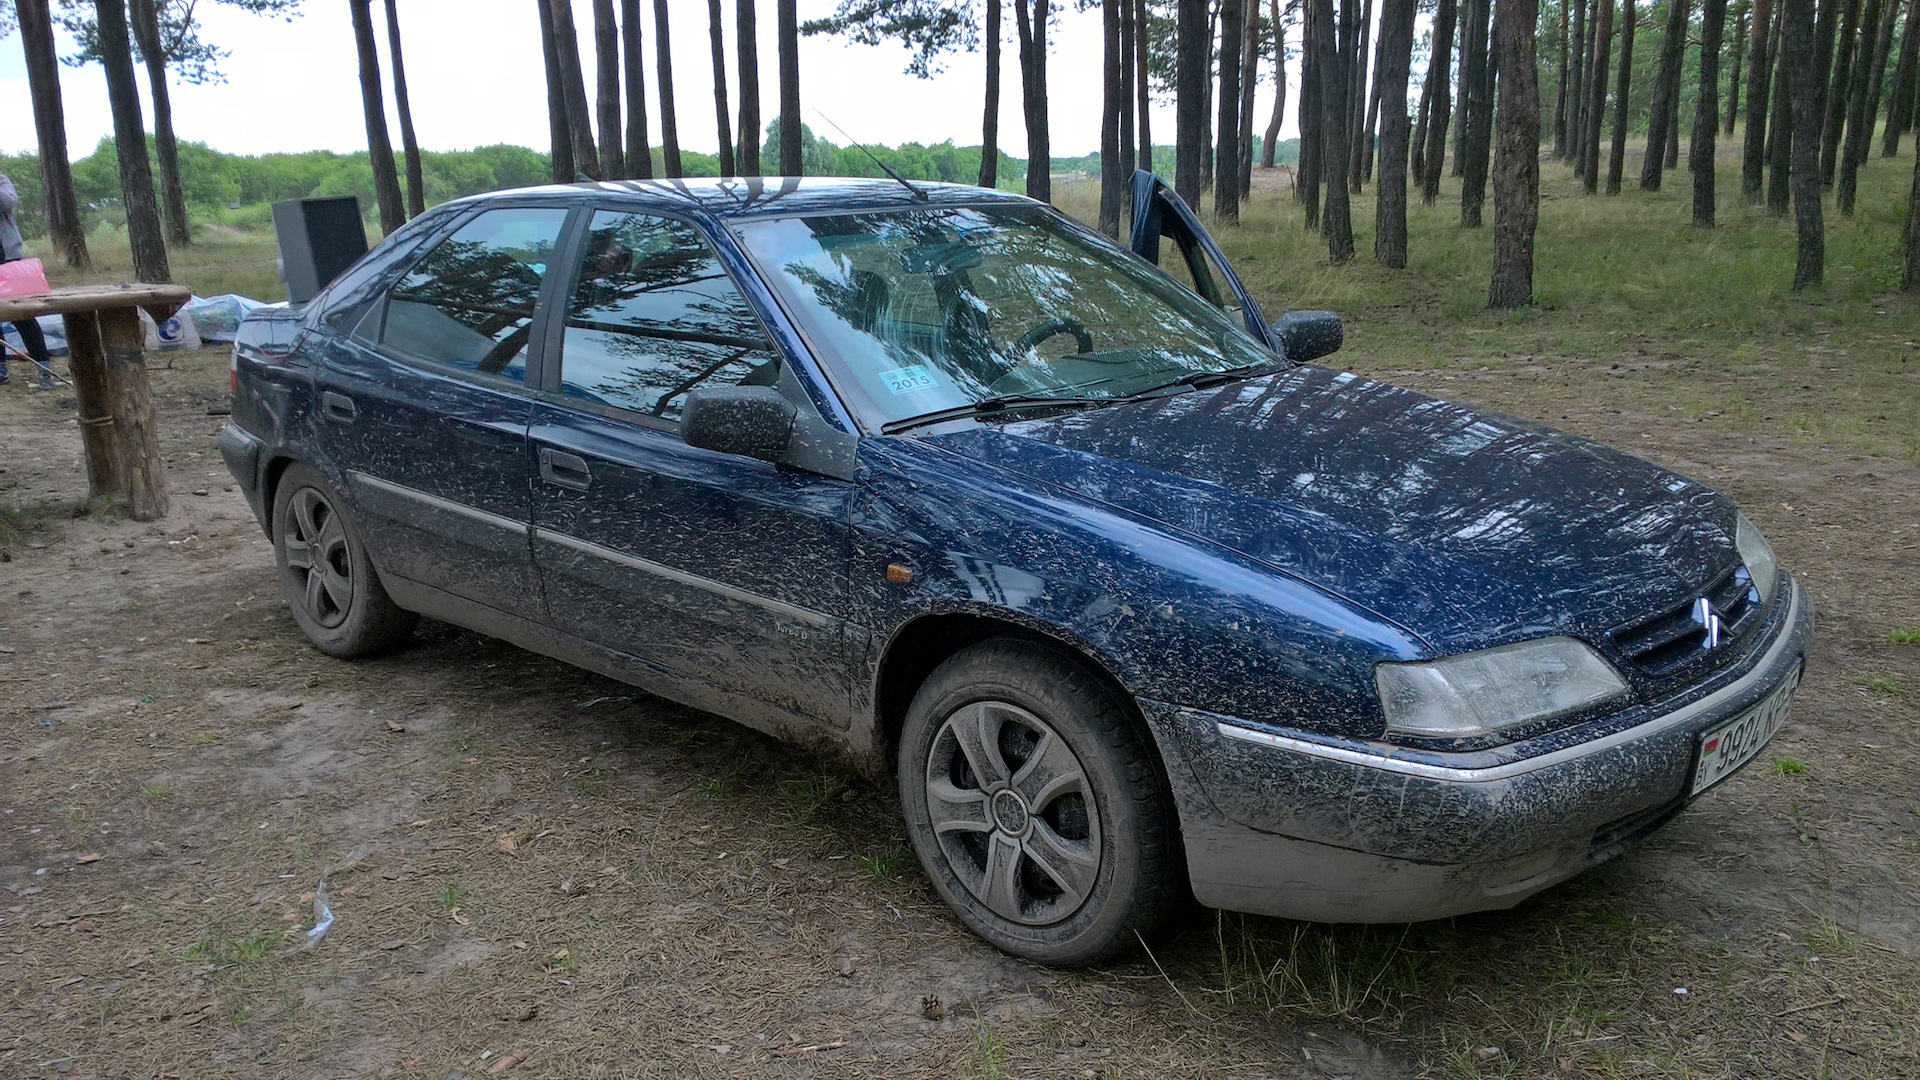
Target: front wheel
(325,573)
(1034,805)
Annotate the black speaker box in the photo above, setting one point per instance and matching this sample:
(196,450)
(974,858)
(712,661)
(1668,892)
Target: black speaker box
(318,238)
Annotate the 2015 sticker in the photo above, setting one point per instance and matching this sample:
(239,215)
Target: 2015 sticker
(907,380)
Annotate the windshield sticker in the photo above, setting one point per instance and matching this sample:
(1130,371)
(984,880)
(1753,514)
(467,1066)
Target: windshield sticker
(909,379)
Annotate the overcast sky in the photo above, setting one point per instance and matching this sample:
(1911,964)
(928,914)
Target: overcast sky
(475,76)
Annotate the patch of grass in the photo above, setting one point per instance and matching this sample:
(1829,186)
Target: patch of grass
(886,866)
(451,895)
(727,782)
(217,947)
(989,1053)
(592,781)
(1905,637)
(806,798)
(1883,684)
(1788,766)
(156,791)
(202,738)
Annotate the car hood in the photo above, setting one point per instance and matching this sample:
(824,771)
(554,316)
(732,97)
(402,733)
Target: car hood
(1465,527)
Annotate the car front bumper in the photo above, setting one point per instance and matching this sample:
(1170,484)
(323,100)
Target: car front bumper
(1295,825)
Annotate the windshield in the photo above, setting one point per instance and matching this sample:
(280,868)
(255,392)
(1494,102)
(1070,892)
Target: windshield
(925,311)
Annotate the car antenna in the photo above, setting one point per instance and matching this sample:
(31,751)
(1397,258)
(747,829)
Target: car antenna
(919,195)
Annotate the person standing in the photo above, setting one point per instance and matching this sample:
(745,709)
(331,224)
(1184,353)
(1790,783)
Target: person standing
(10,243)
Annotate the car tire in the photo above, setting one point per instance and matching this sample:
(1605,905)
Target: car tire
(329,581)
(1034,803)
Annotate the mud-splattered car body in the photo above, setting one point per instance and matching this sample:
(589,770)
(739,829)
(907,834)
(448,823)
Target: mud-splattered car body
(1238,560)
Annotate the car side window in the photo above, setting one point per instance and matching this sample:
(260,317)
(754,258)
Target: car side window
(653,315)
(469,303)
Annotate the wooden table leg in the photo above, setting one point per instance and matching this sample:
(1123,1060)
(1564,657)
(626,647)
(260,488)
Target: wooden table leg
(107,354)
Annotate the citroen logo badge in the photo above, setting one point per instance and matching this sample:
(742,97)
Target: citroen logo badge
(1708,620)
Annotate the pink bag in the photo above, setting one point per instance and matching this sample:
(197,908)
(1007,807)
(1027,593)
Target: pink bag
(23,277)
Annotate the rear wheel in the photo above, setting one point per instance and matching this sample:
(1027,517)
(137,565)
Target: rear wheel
(325,573)
(1034,806)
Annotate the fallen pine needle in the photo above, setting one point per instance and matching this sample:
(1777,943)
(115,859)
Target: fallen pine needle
(834,1045)
(1810,1008)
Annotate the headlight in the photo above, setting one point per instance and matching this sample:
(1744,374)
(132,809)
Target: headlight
(1478,693)
(1757,554)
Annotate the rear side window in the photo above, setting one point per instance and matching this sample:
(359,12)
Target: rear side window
(469,303)
(653,315)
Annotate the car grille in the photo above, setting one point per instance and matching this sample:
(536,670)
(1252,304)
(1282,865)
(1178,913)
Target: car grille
(1675,639)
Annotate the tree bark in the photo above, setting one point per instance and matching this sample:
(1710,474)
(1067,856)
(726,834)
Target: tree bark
(1417,152)
(990,121)
(1143,145)
(1249,80)
(1516,172)
(1753,160)
(1560,151)
(1877,80)
(1617,154)
(386,184)
(1900,101)
(50,130)
(1030,24)
(1206,99)
(1270,144)
(1437,75)
(1706,113)
(1835,93)
(791,163)
(1780,127)
(1576,80)
(1733,77)
(633,67)
(1396,63)
(747,56)
(559,133)
(1597,100)
(717,40)
(1477,117)
(1666,94)
(1910,272)
(1356,51)
(1306,185)
(107,353)
(1113,176)
(1128,152)
(1333,34)
(166,149)
(663,79)
(1226,186)
(409,146)
(1860,106)
(573,84)
(1797,40)
(606,55)
(1190,77)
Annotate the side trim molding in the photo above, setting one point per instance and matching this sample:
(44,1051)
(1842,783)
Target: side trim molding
(438,503)
(778,607)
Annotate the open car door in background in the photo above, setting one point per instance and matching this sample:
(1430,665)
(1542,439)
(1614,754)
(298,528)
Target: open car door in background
(1159,212)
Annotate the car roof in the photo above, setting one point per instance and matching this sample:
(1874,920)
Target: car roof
(776,196)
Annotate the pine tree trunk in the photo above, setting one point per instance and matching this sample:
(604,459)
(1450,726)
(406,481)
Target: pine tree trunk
(1269,146)
(1437,76)
(633,64)
(386,184)
(166,149)
(1560,151)
(1835,85)
(1666,94)
(559,134)
(1128,152)
(1516,170)
(1673,129)
(606,55)
(1333,34)
(1357,99)
(1226,187)
(50,129)
(663,79)
(1796,41)
(1910,275)
(1877,80)
(1030,24)
(1577,81)
(1396,64)
(1780,127)
(1249,80)
(1900,101)
(1143,145)
(1477,118)
(717,40)
(1206,100)
(990,120)
(409,146)
(1737,52)
(1706,113)
(1417,150)
(747,56)
(1753,158)
(1190,77)
(1597,100)
(1460,128)
(573,83)
(1617,154)
(1113,175)
(1307,179)
(791,163)
(1860,110)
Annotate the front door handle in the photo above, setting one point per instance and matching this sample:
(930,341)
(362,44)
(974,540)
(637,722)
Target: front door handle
(562,469)
(338,408)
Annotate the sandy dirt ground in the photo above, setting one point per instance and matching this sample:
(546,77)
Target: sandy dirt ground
(537,871)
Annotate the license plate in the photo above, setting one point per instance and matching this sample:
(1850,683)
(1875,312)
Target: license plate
(1725,748)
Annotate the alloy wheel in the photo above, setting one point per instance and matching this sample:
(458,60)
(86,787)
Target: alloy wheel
(319,563)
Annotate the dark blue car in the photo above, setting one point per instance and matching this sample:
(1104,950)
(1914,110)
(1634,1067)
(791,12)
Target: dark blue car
(1136,603)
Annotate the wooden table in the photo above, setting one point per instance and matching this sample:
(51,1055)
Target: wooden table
(106,348)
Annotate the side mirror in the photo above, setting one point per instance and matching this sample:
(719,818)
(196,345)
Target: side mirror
(752,421)
(1309,335)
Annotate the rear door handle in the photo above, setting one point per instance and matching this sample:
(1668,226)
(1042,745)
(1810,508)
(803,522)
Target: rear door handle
(562,469)
(338,408)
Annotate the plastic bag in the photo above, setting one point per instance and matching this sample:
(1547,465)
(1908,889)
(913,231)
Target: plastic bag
(52,327)
(215,318)
(23,277)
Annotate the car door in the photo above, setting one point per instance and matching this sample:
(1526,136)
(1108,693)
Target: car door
(425,406)
(1159,213)
(727,571)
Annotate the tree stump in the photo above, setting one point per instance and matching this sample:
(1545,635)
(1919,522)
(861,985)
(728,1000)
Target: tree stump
(107,352)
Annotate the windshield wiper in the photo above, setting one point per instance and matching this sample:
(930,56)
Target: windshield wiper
(998,403)
(1207,378)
